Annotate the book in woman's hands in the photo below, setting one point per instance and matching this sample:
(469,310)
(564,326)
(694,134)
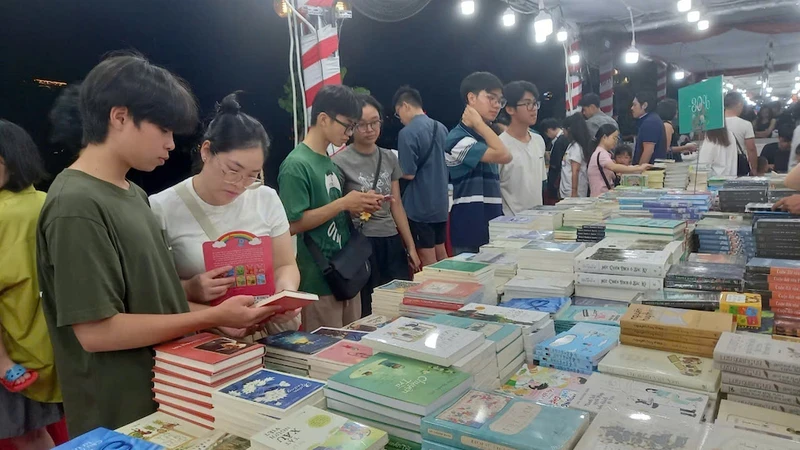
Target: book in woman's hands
(251,259)
(287,300)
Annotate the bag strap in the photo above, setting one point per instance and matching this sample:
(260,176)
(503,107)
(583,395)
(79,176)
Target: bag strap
(430,149)
(739,146)
(378,170)
(316,254)
(603,173)
(202,219)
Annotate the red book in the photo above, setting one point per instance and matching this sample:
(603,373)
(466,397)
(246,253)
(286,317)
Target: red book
(786,279)
(784,271)
(790,312)
(447,306)
(180,381)
(448,291)
(785,295)
(251,259)
(288,300)
(202,378)
(195,399)
(784,287)
(780,303)
(207,353)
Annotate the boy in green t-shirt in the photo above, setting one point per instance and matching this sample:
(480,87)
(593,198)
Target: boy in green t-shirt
(110,289)
(310,188)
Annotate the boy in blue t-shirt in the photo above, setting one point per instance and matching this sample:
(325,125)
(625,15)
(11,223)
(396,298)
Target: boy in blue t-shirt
(472,152)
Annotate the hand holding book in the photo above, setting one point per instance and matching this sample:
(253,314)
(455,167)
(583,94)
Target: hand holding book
(205,287)
(237,312)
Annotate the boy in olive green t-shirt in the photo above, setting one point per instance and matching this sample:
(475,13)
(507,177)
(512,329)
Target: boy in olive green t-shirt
(310,188)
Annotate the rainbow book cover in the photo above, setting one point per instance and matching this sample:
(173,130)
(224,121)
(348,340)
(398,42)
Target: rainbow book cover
(251,259)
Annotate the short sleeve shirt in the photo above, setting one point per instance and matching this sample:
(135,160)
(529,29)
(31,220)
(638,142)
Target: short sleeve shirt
(597,186)
(651,130)
(521,179)
(426,196)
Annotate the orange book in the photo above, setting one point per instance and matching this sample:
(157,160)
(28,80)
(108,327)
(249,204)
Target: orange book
(785,295)
(785,287)
(667,346)
(779,303)
(783,279)
(785,271)
(659,322)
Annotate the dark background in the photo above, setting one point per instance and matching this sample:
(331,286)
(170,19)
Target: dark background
(220,46)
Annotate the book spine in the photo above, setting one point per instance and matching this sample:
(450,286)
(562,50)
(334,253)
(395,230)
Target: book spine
(759,383)
(786,295)
(790,312)
(671,346)
(775,302)
(785,287)
(622,268)
(786,399)
(757,362)
(673,333)
(619,281)
(785,279)
(408,301)
(765,404)
(698,305)
(658,377)
(780,271)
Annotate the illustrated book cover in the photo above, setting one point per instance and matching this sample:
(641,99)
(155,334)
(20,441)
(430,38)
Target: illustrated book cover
(207,352)
(251,259)
(544,385)
(299,342)
(501,334)
(276,391)
(636,430)
(102,438)
(656,366)
(658,322)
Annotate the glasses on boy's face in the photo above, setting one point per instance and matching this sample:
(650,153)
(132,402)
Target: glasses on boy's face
(497,100)
(349,128)
(530,105)
(234,177)
(363,127)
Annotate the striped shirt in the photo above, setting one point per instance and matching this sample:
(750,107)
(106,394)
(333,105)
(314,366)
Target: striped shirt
(476,188)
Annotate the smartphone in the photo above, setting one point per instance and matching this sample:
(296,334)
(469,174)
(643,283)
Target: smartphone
(387,198)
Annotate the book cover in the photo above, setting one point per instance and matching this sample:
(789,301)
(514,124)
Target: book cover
(370,323)
(619,281)
(501,334)
(657,343)
(608,391)
(102,438)
(267,388)
(251,259)
(431,304)
(312,428)
(299,342)
(759,383)
(395,377)
(426,341)
(486,420)
(287,301)
(661,322)
(756,372)
(445,290)
(345,353)
(758,352)
(465,267)
(584,342)
(340,333)
(205,348)
(772,396)
(655,366)
(764,403)
(603,315)
(729,438)
(397,286)
(758,419)
(550,305)
(544,385)
(500,314)
(634,430)
(164,430)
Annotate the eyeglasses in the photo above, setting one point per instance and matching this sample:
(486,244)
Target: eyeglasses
(530,105)
(364,127)
(500,101)
(234,177)
(349,128)
(397,115)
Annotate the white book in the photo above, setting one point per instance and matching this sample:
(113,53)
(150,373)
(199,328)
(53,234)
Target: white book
(637,430)
(786,399)
(165,430)
(755,372)
(605,390)
(729,438)
(510,352)
(656,366)
(429,342)
(760,383)
(758,419)
(477,359)
(528,320)
(758,351)
(509,370)
(312,427)
(789,409)
(606,293)
(619,281)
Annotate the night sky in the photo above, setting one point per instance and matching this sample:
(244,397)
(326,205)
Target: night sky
(220,46)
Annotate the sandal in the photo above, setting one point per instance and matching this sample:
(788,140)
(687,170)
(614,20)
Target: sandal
(14,374)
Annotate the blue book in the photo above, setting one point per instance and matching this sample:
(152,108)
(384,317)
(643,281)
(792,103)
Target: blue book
(645,223)
(103,438)
(428,445)
(299,342)
(500,333)
(550,305)
(584,342)
(488,420)
(270,392)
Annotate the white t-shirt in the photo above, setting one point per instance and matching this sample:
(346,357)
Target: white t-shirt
(723,160)
(742,130)
(521,179)
(258,211)
(795,143)
(573,153)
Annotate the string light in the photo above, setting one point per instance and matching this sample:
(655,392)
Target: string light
(679,75)
(632,54)
(509,18)
(543,24)
(562,35)
(541,38)
(575,58)
(693,16)
(467,7)
(684,5)
(703,25)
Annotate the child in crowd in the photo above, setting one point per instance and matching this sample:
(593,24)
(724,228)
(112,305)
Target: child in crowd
(763,166)
(623,155)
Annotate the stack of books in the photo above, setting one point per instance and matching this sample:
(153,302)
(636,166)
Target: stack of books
(169,432)
(655,178)
(544,256)
(676,330)
(759,371)
(313,428)
(386,299)
(605,391)
(504,264)
(661,229)
(735,437)
(289,351)
(756,418)
(600,315)
(735,199)
(591,233)
(579,349)
(727,237)
(586,215)
(336,358)
(717,182)
(189,370)
(454,270)
(508,245)
(535,327)
(680,298)
(698,179)
(565,234)
(436,296)
(549,305)
(633,428)
(534,284)
(484,419)
(258,400)
(777,282)
(676,174)
(528,221)
(545,217)
(777,238)
(705,277)
(393,393)
(545,385)
(340,333)
(678,206)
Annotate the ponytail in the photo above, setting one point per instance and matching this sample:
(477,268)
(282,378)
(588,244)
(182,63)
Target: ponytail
(65,118)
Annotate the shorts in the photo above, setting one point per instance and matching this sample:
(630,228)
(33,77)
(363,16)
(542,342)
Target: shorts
(428,235)
(20,415)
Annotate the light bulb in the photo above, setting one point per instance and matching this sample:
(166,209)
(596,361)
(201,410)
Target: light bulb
(693,16)
(575,58)
(703,25)
(467,7)
(769,90)
(728,85)
(562,35)
(540,38)
(281,8)
(632,55)
(759,82)
(543,24)
(679,75)
(509,18)
(775,99)
(684,5)
(340,6)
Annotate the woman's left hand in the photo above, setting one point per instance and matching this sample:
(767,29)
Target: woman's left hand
(286,317)
(415,261)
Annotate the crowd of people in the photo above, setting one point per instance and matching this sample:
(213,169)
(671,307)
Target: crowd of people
(120,272)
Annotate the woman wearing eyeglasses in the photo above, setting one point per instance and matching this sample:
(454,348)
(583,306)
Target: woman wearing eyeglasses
(227,195)
(388,227)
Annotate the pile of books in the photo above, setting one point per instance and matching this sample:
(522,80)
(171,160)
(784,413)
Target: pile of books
(504,264)
(680,298)
(545,217)
(705,277)
(759,371)
(370,323)
(548,256)
(565,234)
(591,233)
(655,178)
(600,315)
(678,206)
(549,305)
(698,179)
(578,350)
(289,351)
(587,215)
(189,370)
(661,229)
(484,418)
(386,299)
(393,393)
(777,238)
(545,385)
(336,358)
(735,199)
(777,282)
(261,398)
(534,284)
(503,225)
(467,271)
(630,427)
(677,330)
(717,182)
(676,174)
(314,428)
(437,296)
(728,237)
(169,432)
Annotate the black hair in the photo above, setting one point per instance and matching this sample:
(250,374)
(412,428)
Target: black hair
(503,118)
(763,164)
(733,99)
(479,81)
(514,91)
(21,158)
(367,99)
(336,100)
(232,129)
(549,124)
(578,132)
(719,136)
(407,94)
(667,109)
(786,132)
(607,129)
(623,149)
(589,100)
(648,97)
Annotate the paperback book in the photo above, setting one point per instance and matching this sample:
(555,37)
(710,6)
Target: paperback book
(759,352)
(251,259)
(630,429)
(102,438)
(657,322)
(601,315)
(501,334)
(729,438)
(550,305)
(340,333)
(525,319)
(544,385)
(269,393)
(370,323)
(668,368)
(760,420)
(298,342)
(166,431)
(207,353)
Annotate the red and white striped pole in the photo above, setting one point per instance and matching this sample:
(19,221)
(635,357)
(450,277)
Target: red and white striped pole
(573,85)
(662,80)
(607,88)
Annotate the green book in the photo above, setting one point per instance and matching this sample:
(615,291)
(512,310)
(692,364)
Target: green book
(458,266)
(396,443)
(402,383)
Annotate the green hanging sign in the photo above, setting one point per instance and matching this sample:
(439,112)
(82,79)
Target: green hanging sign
(701,106)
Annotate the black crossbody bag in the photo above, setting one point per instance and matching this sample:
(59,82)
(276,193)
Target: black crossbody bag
(349,270)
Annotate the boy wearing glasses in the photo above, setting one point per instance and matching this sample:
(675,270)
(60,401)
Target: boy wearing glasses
(310,187)
(473,152)
(521,180)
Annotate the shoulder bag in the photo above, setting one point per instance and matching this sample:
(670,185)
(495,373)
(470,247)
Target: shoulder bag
(423,160)
(742,164)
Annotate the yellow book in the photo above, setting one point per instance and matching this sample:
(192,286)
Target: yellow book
(659,322)
(746,308)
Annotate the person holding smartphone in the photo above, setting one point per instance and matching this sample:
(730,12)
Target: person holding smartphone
(386,228)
